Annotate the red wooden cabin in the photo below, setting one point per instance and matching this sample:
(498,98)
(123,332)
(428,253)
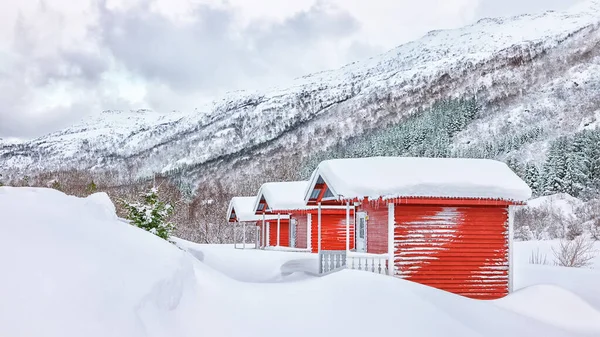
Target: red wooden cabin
(445,223)
(240,211)
(286,201)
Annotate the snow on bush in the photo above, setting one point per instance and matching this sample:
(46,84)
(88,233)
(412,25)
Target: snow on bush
(558,216)
(151,214)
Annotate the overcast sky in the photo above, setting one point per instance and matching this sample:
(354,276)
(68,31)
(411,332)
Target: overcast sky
(61,60)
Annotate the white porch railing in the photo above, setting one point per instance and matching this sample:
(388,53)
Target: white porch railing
(375,263)
(331,260)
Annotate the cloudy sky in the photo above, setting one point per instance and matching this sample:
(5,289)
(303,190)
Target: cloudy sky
(61,60)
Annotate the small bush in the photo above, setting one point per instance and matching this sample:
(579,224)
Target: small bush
(595,229)
(575,253)
(537,257)
(151,214)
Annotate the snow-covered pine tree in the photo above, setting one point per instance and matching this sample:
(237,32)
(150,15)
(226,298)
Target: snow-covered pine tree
(151,214)
(555,167)
(532,178)
(575,171)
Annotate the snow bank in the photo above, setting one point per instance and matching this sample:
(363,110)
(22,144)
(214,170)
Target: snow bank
(562,203)
(283,196)
(250,265)
(555,306)
(374,299)
(581,281)
(391,177)
(70,268)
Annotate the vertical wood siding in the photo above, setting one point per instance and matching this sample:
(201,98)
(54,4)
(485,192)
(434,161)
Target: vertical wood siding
(463,250)
(333,232)
(301,230)
(271,228)
(285,233)
(284,241)
(377,226)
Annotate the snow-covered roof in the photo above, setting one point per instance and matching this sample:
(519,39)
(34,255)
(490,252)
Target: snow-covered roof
(283,196)
(392,177)
(244,211)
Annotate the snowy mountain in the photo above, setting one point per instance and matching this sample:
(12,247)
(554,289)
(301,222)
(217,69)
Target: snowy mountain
(531,71)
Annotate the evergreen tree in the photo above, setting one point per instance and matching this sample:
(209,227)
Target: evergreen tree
(151,214)
(555,167)
(55,185)
(575,170)
(532,178)
(91,188)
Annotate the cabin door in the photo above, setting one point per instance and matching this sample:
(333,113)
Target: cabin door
(293,228)
(361,232)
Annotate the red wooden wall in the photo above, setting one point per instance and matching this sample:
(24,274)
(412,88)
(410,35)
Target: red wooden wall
(463,250)
(284,240)
(301,230)
(333,231)
(284,233)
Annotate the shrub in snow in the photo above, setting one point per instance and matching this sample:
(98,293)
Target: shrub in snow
(91,187)
(574,230)
(523,233)
(575,253)
(151,214)
(595,229)
(537,257)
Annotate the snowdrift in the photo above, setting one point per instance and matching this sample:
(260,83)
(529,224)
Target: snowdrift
(554,305)
(71,268)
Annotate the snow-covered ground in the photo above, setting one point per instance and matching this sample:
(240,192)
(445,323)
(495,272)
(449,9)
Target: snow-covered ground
(70,267)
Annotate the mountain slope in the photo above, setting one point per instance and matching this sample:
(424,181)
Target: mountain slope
(526,71)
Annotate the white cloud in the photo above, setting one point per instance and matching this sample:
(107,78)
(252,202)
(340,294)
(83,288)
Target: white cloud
(62,59)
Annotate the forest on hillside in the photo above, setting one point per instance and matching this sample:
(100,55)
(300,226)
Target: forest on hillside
(572,163)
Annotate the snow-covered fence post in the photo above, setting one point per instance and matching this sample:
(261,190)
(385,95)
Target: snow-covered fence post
(511,219)
(244,235)
(278,229)
(391,221)
(347,227)
(264,231)
(309,231)
(319,227)
(268,235)
(234,243)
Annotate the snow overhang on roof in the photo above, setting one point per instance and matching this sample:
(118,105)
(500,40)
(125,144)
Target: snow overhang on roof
(282,196)
(397,177)
(242,206)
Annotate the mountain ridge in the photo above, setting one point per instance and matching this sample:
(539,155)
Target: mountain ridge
(487,60)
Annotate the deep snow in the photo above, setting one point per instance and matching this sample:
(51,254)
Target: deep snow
(391,177)
(71,268)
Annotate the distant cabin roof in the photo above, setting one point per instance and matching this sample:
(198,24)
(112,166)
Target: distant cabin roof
(282,196)
(393,177)
(244,211)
